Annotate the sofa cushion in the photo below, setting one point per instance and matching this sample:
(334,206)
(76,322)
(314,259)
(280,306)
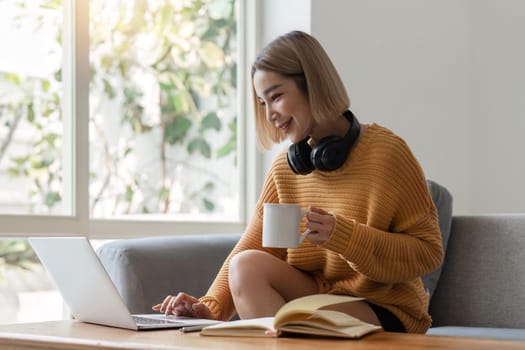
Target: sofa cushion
(482,281)
(479,332)
(443,202)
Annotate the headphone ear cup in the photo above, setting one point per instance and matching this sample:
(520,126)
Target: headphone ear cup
(327,155)
(298,157)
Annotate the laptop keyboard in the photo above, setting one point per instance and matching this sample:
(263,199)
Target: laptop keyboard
(147,320)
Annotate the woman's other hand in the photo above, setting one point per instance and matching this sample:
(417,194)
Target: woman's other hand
(183,305)
(320,223)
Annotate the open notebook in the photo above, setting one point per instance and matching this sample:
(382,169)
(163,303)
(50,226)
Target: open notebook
(89,291)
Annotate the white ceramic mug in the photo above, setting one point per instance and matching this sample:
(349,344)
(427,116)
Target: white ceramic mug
(281,225)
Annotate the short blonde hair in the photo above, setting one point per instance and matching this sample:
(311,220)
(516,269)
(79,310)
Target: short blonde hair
(299,56)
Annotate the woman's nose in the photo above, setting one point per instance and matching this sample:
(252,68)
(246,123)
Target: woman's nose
(270,115)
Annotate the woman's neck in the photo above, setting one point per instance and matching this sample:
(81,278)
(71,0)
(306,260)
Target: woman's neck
(336,127)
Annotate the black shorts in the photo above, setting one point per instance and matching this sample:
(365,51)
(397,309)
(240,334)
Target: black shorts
(389,321)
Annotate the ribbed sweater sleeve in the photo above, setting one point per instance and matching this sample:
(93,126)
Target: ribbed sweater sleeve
(410,246)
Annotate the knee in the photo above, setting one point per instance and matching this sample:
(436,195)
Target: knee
(244,267)
(245,262)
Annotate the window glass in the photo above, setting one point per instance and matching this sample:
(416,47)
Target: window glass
(31,128)
(27,293)
(163,109)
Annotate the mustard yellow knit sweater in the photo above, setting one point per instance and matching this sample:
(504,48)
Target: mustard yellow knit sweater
(386,234)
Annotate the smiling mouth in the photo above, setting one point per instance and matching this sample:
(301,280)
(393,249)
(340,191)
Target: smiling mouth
(284,126)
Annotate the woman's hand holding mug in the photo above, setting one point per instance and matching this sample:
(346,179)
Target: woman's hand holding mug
(281,225)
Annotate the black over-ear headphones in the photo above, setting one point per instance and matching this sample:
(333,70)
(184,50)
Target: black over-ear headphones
(329,154)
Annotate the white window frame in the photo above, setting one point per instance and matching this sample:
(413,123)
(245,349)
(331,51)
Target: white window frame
(76,103)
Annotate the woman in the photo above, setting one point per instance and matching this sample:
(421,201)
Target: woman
(374,226)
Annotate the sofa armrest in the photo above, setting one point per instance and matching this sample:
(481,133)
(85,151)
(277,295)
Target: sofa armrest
(145,270)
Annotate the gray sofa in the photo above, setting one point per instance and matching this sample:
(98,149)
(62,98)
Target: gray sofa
(479,291)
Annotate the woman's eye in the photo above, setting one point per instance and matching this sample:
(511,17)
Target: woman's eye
(275,97)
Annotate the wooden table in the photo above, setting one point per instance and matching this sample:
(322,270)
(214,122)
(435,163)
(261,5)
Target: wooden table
(82,336)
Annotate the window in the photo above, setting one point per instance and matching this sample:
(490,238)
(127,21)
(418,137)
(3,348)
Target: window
(124,123)
(163,112)
(31,127)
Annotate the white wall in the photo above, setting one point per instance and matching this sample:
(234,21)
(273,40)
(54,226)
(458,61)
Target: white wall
(498,86)
(447,76)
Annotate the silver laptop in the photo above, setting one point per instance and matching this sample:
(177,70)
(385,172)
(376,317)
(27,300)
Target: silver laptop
(89,291)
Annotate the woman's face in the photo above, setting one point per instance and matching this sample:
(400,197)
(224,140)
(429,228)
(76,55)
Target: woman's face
(287,108)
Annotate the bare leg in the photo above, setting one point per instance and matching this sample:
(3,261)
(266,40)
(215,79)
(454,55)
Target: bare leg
(260,283)
(357,309)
